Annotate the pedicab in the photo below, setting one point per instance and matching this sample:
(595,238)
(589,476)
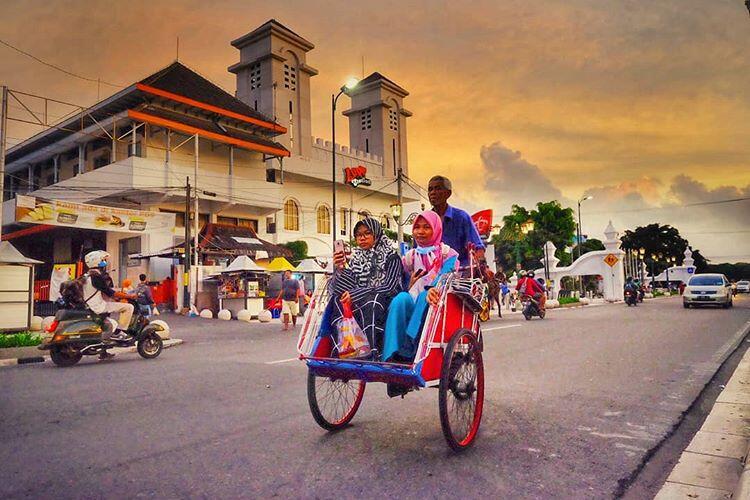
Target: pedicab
(449,357)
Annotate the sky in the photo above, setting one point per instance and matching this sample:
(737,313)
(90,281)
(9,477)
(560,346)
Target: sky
(643,104)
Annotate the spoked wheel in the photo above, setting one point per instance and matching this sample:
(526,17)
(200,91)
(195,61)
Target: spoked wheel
(151,346)
(333,403)
(461,390)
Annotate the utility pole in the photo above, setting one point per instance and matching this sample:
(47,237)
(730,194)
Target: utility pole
(188,253)
(400,192)
(197,216)
(3,136)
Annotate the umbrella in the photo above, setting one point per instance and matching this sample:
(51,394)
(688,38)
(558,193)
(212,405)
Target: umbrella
(279,264)
(243,263)
(309,266)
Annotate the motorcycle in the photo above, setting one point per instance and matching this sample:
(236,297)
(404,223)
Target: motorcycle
(631,299)
(531,308)
(76,333)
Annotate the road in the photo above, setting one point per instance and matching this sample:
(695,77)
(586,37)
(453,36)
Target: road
(573,404)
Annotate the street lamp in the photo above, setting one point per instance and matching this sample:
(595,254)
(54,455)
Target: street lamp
(524,228)
(350,84)
(580,235)
(642,254)
(653,275)
(396,211)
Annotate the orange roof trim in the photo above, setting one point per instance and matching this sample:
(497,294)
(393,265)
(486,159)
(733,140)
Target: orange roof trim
(181,127)
(208,107)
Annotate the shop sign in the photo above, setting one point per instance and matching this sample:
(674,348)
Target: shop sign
(33,210)
(483,221)
(357,176)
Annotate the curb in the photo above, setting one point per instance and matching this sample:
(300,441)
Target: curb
(116,350)
(715,463)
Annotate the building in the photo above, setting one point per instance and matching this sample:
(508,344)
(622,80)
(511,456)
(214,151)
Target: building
(255,165)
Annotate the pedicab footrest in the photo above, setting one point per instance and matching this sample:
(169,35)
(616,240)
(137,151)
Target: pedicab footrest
(369,371)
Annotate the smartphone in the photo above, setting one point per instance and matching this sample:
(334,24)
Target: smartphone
(338,246)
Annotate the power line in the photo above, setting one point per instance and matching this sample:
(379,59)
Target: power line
(58,68)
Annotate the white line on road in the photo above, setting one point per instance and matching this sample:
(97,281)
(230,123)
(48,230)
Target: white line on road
(281,361)
(499,328)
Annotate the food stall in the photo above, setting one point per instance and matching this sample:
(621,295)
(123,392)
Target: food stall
(242,285)
(16,288)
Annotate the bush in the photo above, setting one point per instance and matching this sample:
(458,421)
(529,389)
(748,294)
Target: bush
(658,293)
(568,300)
(23,339)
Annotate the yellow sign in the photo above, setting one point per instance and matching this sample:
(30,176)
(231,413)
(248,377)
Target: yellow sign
(611,260)
(69,268)
(34,210)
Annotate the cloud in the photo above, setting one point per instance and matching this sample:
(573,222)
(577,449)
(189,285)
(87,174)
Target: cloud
(685,190)
(509,178)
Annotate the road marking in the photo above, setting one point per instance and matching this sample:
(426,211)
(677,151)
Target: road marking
(281,361)
(499,328)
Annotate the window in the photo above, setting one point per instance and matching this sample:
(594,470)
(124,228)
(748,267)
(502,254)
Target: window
(290,77)
(385,221)
(255,76)
(393,119)
(251,223)
(179,216)
(324,220)
(367,145)
(366,119)
(232,221)
(291,215)
(343,222)
(706,280)
(101,161)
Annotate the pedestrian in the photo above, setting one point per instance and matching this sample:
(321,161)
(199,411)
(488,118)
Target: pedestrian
(288,296)
(459,231)
(144,297)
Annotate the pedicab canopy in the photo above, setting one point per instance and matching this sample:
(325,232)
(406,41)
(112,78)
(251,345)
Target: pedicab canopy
(279,264)
(309,266)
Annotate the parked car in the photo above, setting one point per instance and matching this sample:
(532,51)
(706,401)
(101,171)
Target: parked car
(743,286)
(708,289)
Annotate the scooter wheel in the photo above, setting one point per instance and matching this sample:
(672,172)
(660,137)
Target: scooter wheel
(150,346)
(65,355)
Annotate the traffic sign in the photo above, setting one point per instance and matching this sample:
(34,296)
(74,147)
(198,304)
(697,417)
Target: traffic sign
(611,260)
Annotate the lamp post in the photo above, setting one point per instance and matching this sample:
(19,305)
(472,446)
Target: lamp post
(653,276)
(524,229)
(580,235)
(641,263)
(351,83)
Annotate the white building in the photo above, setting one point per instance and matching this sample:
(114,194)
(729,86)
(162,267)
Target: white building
(257,163)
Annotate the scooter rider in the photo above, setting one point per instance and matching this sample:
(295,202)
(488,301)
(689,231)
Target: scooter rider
(529,286)
(99,294)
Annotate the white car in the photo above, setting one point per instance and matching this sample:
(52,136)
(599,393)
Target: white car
(743,286)
(708,289)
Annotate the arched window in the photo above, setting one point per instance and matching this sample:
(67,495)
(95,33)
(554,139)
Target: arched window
(385,221)
(324,220)
(291,215)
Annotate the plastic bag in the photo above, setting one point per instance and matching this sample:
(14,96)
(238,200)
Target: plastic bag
(352,341)
(155,311)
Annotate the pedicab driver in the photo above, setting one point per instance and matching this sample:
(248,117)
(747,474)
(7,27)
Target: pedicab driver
(459,231)
(99,296)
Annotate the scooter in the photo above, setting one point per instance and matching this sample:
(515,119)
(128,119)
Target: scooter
(631,299)
(76,333)
(531,308)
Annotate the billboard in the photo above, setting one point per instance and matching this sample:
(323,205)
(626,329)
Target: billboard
(483,221)
(33,210)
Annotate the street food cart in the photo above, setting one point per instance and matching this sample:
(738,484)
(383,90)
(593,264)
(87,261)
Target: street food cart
(16,288)
(242,285)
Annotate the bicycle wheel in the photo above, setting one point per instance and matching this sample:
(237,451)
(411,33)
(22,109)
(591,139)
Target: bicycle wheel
(333,403)
(461,390)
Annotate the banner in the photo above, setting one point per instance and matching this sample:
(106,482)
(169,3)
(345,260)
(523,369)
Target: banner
(483,221)
(34,210)
(357,176)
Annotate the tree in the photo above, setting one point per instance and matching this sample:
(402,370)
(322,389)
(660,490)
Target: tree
(663,240)
(298,249)
(551,222)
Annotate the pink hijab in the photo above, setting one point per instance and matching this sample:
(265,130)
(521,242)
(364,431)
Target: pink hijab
(435,222)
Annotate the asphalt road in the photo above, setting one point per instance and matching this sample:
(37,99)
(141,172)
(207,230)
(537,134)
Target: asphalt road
(573,404)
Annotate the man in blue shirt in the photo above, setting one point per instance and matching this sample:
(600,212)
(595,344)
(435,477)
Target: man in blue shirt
(458,228)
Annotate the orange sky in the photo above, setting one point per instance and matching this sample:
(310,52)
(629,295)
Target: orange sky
(613,97)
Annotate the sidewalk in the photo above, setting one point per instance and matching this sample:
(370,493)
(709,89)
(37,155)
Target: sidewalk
(713,466)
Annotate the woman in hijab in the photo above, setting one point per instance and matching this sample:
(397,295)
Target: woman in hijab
(371,278)
(423,265)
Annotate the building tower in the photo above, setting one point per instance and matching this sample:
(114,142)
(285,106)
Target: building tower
(273,77)
(377,122)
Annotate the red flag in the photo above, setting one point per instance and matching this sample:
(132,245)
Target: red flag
(483,221)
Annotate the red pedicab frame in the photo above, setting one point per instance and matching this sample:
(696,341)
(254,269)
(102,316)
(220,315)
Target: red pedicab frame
(449,353)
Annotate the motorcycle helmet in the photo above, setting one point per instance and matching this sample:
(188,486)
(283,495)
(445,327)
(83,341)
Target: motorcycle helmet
(530,274)
(96,259)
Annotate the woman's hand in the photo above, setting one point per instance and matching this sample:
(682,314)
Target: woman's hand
(339,260)
(415,276)
(345,297)
(433,296)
